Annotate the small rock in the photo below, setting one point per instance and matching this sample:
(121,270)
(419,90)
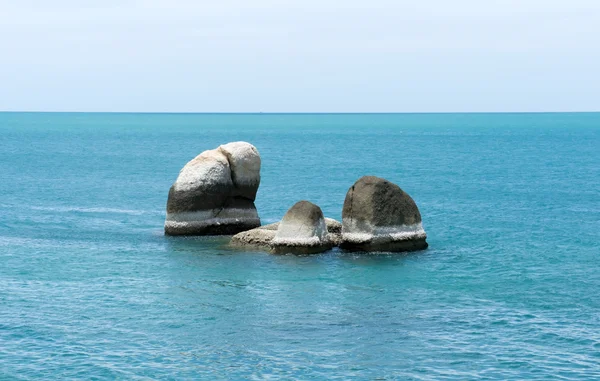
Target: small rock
(258,238)
(302,230)
(263,236)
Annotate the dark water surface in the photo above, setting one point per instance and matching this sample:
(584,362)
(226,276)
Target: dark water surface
(509,288)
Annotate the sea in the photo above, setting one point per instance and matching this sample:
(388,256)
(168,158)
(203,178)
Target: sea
(509,288)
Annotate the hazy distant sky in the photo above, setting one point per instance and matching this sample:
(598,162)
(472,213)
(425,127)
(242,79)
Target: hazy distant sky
(300,55)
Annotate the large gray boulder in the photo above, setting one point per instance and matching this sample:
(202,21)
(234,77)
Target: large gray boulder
(214,193)
(379,216)
(302,230)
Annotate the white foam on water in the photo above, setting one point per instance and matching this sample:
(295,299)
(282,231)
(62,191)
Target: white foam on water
(294,241)
(209,215)
(352,233)
(204,218)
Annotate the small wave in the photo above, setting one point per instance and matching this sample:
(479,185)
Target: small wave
(75,244)
(67,209)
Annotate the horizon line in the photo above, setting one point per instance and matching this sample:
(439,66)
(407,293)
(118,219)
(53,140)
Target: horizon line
(295,112)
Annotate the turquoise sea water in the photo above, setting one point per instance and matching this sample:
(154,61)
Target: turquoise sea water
(509,288)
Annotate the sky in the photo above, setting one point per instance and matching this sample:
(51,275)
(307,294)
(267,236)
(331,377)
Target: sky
(300,55)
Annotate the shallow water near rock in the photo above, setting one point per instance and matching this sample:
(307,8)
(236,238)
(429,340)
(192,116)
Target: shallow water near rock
(508,289)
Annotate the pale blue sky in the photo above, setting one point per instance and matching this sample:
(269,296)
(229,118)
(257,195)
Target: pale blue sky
(300,55)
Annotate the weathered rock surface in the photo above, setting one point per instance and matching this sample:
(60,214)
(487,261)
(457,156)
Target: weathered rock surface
(302,230)
(258,238)
(379,216)
(214,193)
(333,226)
(262,237)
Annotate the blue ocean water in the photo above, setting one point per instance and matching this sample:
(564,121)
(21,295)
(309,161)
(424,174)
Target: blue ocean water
(509,288)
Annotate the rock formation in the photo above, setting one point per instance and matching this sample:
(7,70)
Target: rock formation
(379,216)
(215,192)
(263,237)
(302,230)
(214,195)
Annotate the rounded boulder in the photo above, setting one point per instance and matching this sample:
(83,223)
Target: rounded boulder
(302,230)
(379,216)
